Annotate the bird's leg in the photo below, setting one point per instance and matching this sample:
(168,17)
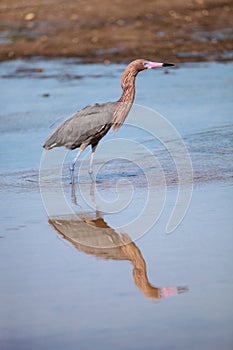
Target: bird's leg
(90,170)
(72,166)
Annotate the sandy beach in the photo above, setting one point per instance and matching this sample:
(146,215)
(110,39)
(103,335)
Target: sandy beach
(117,31)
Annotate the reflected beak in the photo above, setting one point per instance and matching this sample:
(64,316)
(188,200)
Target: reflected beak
(159,65)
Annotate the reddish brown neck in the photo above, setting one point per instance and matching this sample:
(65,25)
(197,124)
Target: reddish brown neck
(128,94)
(128,85)
(126,100)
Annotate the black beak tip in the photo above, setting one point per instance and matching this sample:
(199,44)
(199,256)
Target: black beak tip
(168,65)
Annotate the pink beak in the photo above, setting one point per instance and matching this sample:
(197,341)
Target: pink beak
(158,65)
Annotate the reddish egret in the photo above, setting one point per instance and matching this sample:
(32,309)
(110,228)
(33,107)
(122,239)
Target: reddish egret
(88,126)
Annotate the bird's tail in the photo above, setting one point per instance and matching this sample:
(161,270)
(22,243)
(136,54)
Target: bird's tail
(50,143)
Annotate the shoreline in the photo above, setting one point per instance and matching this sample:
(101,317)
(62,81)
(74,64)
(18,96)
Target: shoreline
(99,32)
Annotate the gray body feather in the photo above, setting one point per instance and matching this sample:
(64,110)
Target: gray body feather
(85,127)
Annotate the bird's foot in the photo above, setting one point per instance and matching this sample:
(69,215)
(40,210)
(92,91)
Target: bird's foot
(71,173)
(90,172)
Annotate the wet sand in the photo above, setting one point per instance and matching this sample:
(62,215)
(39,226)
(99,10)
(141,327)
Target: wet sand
(160,291)
(116,31)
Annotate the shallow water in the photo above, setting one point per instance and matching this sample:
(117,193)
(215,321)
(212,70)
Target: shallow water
(59,287)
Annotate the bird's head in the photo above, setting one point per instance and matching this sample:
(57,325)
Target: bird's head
(142,64)
(137,66)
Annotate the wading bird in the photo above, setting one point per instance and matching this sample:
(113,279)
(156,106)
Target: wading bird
(88,126)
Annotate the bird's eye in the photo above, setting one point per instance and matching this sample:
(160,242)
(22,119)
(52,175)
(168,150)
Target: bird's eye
(146,64)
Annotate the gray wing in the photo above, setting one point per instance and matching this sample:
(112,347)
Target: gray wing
(86,126)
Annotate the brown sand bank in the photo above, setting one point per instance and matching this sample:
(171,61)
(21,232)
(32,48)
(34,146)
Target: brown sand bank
(117,30)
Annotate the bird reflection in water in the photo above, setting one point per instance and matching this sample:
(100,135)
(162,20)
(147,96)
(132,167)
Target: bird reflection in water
(91,234)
